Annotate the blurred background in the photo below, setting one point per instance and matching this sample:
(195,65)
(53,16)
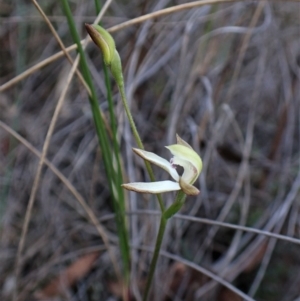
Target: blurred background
(225,77)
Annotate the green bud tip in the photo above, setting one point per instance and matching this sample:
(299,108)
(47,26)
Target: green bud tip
(103,40)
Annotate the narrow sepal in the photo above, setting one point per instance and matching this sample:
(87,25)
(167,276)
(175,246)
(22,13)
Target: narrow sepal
(159,161)
(152,187)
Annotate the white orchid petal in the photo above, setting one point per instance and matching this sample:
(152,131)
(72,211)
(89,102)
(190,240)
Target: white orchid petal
(159,161)
(183,153)
(152,187)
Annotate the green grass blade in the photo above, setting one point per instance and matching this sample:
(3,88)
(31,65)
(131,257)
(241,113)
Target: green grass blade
(113,175)
(125,250)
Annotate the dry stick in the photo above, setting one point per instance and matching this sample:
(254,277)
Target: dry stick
(167,11)
(61,44)
(39,169)
(112,29)
(279,225)
(276,222)
(207,221)
(208,273)
(64,180)
(243,167)
(289,132)
(38,173)
(249,138)
(66,53)
(35,68)
(244,47)
(243,173)
(115,28)
(178,97)
(200,269)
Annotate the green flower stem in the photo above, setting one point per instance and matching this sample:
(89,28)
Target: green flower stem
(125,251)
(137,138)
(172,210)
(123,235)
(113,175)
(97,6)
(112,60)
(176,206)
(159,239)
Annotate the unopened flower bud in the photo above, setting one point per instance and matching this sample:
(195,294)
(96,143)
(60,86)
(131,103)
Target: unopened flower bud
(106,43)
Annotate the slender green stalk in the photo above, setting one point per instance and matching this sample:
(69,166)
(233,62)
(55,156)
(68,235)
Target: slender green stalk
(97,6)
(173,209)
(112,59)
(108,158)
(118,168)
(176,206)
(159,239)
(119,179)
(138,139)
(100,128)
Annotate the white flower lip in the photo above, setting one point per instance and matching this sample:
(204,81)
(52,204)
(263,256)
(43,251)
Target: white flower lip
(184,156)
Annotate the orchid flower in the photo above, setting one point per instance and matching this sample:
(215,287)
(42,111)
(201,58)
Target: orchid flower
(184,156)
